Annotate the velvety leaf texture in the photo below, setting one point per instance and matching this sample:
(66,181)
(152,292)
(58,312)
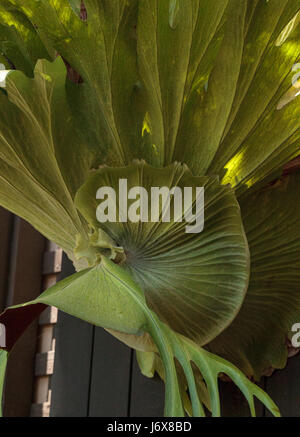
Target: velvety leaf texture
(196,282)
(20,45)
(257,339)
(182,92)
(163,93)
(37,147)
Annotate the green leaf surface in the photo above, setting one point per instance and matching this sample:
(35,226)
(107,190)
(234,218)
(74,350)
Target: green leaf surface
(20,44)
(97,296)
(3,363)
(116,301)
(257,339)
(195,282)
(39,144)
(208,84)
(259,138)
(146,362)
(207,109)
(199,84)
(103,51)
(191,46)
(76,6)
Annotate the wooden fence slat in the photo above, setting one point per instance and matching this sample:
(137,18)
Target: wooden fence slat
(44,363)
(45,350)
(70,382)
(284,388)
(71,378)
(6,226)
(52,262)
(25,274)
(147,394)
(110,382)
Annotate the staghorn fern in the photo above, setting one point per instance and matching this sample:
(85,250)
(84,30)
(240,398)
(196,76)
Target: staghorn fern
(172,93)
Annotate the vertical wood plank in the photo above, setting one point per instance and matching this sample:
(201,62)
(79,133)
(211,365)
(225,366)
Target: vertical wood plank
(71,378)
(284,388)
(25,275)
(110,382)
(6,222)
(147,394)
(52,263)
(70,383)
